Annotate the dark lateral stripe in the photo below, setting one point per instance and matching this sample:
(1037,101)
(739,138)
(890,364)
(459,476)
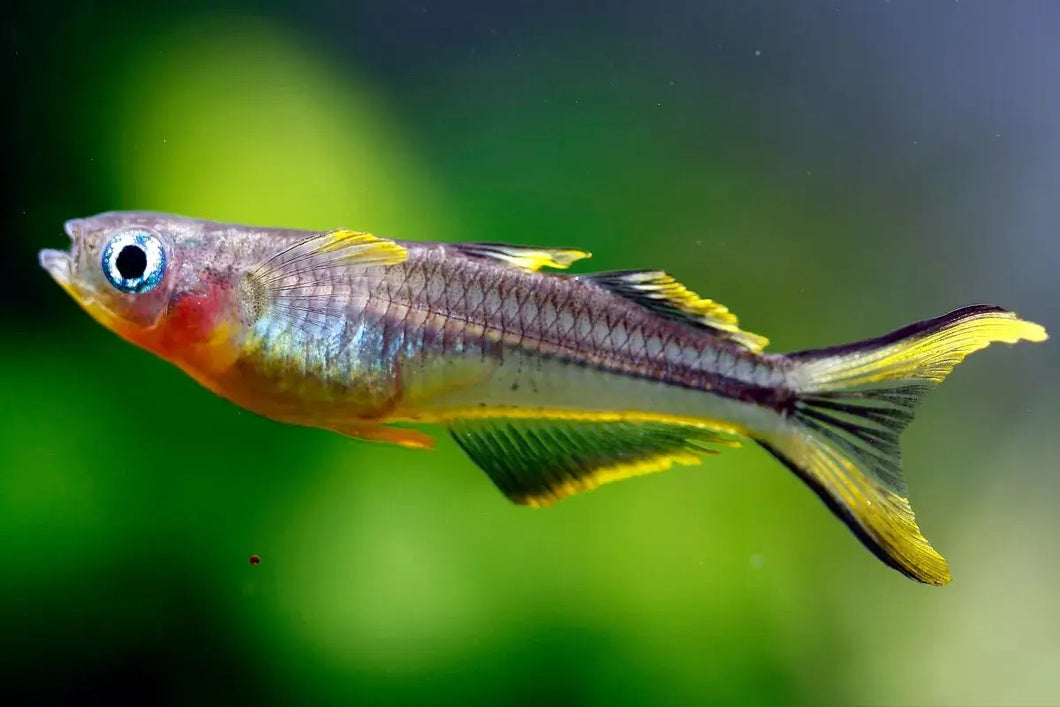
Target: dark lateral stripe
(584,355)
(506,330)
(920,328)
(778,399)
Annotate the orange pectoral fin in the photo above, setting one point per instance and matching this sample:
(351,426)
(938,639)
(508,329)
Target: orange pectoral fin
(381,433)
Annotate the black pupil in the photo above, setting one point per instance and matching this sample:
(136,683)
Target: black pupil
(132,261)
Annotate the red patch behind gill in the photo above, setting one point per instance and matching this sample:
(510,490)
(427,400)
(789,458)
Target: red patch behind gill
(190,317)
(194,320)
(197,332)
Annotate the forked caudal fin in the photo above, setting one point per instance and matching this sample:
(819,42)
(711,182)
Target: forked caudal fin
(850,405)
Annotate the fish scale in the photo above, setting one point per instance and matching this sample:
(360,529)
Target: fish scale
(552,383)
(555,322)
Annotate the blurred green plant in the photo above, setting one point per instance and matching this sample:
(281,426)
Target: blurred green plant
(131,498)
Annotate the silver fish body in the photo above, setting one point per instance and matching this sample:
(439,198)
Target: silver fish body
(552,383)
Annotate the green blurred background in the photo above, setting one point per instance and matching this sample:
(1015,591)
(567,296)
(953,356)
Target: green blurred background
(830,171)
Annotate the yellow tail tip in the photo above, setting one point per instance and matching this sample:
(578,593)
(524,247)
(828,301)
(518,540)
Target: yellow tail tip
(854,402)
(1029,331)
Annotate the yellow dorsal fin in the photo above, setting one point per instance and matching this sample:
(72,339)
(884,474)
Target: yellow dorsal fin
(526,257)
(661,293)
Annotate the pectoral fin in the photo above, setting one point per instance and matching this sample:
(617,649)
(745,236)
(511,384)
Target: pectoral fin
(401,436)
(291,272)
(334,248)
(311,280)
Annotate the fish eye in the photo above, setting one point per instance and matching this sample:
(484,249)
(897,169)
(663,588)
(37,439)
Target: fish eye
(134,261)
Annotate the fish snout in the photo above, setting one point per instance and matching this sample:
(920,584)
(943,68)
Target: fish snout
(59,263)
(73,228)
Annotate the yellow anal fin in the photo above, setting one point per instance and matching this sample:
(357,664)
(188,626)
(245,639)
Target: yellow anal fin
(661,293)
(400,436)
(526,257)
(539,461)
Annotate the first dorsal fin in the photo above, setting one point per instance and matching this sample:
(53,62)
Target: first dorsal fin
(661,293)
(526,257)
(538,461)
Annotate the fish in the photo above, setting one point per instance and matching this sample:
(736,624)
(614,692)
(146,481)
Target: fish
(552,382)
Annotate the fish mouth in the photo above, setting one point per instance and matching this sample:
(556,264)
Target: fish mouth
(60,263)
(57,263)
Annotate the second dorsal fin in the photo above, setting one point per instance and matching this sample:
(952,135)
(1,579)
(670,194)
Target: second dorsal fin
(661,293)
(526,257)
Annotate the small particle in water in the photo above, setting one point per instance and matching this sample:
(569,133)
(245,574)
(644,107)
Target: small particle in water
(255,560)
(758,52)
(757,560)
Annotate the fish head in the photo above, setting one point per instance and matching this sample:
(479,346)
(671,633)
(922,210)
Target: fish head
(148,278)
(118,268)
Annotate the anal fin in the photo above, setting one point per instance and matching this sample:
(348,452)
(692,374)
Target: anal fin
(538,461)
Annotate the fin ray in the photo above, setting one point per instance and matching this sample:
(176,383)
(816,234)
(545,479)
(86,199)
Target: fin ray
(530,258)
(400,436)
(661,293)
(335,248)
(539,461)
(849,409)
(927,351)
(295,279)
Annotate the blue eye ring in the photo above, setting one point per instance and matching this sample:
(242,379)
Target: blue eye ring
(134,261)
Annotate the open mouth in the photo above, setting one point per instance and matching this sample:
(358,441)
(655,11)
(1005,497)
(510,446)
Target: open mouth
(59,263)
